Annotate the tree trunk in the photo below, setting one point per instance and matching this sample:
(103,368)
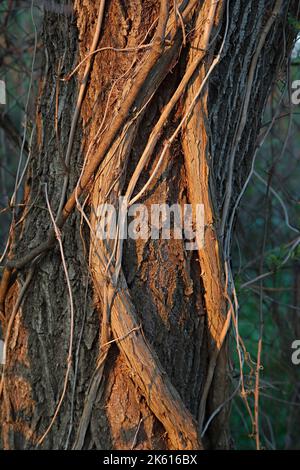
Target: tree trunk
(136,357)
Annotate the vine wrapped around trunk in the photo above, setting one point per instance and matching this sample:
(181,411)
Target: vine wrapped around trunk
(165,106)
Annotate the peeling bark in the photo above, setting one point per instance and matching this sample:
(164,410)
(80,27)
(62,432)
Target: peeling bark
(150,359)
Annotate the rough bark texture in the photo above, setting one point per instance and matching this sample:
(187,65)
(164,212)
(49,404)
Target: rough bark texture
(145,390)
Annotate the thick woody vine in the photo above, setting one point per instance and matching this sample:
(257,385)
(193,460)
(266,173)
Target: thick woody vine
(110,149)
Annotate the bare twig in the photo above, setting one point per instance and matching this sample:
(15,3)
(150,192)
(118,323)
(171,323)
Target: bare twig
(244,111)
(69,358)
(92,166)
(81,94)
(106,48)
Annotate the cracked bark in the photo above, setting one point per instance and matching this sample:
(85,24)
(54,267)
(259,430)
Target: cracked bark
(153,380)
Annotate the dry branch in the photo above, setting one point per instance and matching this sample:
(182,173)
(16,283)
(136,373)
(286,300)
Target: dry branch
(146,68)
(162,398)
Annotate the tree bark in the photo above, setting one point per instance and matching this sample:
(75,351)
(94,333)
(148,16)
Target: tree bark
(149,362)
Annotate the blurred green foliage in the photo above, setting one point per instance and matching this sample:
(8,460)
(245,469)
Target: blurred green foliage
(276,297)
